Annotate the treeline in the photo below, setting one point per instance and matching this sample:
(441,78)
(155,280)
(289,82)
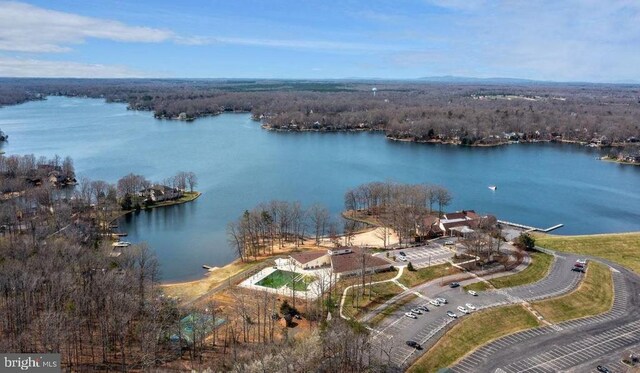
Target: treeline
(402,207)
(19,172)
(468,114)
(63,291)
(277,223)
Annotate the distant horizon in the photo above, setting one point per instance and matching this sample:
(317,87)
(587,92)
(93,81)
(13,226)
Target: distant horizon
(446,79)
(543,41)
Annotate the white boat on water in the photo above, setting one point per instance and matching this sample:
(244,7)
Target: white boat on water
(121,244)
(493,187)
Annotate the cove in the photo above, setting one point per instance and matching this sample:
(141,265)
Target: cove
(240,165)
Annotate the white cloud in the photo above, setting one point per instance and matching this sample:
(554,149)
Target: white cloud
(283,43)
(32,68)
(27,28)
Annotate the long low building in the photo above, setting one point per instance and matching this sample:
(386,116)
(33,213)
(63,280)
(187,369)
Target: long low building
(344,261)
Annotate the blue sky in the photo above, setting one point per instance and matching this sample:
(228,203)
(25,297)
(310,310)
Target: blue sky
(572,40)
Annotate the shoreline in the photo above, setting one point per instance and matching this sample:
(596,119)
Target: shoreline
(615,160)
(193,196)
(410,139)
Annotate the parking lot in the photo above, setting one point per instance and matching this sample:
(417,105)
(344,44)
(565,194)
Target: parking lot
(424,256)
(398,328)
(564,357)
(559,347)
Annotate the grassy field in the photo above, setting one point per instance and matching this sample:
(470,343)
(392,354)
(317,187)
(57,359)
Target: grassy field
(391,309)
(622,248)
(420,276)
(477,286)
(536,271)
(593,297)
(374,295)
(472,332)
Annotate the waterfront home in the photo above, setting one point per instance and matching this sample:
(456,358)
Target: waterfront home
(343,261)
(159,193)
(459,223)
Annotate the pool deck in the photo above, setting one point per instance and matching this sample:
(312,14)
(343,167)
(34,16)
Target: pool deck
(313,289)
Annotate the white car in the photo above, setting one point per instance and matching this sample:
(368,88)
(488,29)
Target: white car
(402,258)
(463,310)
(434,302)
(452,315)
(581,261)
(416,311)
(441,300)
(473,293)
(470,306)
(448,243)
(411,315)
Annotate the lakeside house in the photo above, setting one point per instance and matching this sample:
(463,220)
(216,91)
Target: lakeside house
(159,193)
(343,261)
(459,223)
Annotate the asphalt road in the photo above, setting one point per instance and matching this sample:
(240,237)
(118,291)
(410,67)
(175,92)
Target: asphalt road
(391,335)
(578,345)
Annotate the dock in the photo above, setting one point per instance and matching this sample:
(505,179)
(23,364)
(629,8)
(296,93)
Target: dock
(530,228)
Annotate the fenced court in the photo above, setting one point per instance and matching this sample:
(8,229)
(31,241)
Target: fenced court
(280,278)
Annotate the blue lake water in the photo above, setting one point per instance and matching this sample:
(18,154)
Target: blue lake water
(239,165)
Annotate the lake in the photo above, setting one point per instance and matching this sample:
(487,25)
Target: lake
(239,165)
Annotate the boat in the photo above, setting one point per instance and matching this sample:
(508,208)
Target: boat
(121,244)
(493,187)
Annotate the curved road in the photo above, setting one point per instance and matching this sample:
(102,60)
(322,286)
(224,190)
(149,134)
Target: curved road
(390,337)
(576,345)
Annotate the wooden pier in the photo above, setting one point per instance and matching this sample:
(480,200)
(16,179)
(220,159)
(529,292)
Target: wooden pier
(529,228)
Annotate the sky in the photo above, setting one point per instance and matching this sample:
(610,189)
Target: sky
(569,40)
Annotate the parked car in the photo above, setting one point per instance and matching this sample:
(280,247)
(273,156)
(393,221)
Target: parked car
(472,293)
(578,269)
(423,308)
(402,253)
(414,344)
(434,302)
(411,315)
(579,265)
(452,315)
(454,285)
(441,300)
(402,258)
(470,306)
(603,369)
(463,310)
(581,261)
(416,311)
(448,242)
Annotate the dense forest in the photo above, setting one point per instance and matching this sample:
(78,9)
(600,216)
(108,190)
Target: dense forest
(467,114)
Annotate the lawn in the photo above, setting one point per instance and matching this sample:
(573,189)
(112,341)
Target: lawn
(374,295)
(477,286)
(622,248)
(279,278)
(422,275)
(593,297)
(472,332)
(536,271)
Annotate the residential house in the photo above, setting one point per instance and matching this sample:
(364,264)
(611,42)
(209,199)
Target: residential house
(159,193)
